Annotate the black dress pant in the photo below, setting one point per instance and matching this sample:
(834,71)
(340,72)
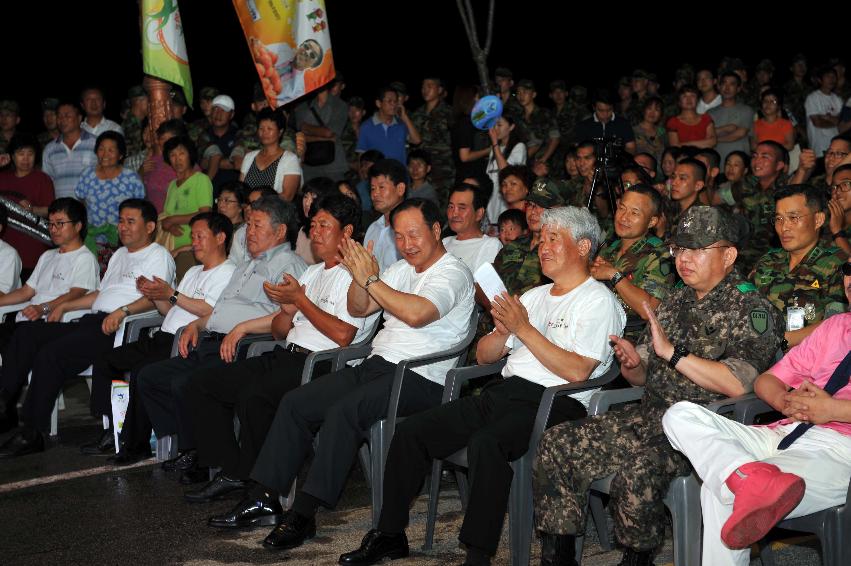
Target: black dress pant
(341,407)
(53,352)
(495,427)
(136,431)
(162,388)
(250,390)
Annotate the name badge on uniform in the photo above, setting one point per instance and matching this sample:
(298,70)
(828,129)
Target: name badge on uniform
(794,318)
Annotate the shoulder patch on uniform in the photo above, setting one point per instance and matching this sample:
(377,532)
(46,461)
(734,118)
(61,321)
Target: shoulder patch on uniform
(815,284)
(759,320)
(746,287)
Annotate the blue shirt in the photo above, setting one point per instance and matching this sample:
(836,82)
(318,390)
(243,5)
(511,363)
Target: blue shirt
(388,139)
(102,197)
(65,165)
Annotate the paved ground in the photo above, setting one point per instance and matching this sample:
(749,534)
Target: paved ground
(66,509)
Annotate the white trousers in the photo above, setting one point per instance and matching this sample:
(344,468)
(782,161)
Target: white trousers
(716,446)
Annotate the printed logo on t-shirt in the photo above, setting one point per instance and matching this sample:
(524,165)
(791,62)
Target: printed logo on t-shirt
(557,323)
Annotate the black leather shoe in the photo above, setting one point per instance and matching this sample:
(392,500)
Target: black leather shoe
(637,557)
(8,412)
(25,441)
(105,444)
(376,546)
(125,457)
(293,530)
(184,461)
(250,512)
(194,475)
(558,550)
(216,488)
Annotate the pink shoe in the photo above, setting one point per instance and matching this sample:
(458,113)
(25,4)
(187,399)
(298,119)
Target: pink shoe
(764,495)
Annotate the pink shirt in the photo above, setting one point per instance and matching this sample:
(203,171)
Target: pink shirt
(815,358)
(157,182)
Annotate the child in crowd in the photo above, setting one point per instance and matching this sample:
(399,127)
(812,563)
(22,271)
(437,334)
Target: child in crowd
(512,225)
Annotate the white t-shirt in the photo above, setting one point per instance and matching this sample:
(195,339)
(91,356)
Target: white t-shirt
(496,204)
(55,274)
(327,289)
(703,107)
(475,251)
(448,285)
(238,248)
(818,102)
(10,268)
(118,286)
(384,239)
(198,284)
(579,321)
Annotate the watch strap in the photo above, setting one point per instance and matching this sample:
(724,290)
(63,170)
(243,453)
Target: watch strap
(616,278)
(370,280)
(680,352)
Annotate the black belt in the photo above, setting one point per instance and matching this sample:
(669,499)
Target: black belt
(296,348)
(215,335)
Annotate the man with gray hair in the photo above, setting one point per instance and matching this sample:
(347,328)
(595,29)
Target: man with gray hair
(210,341)
(553,334)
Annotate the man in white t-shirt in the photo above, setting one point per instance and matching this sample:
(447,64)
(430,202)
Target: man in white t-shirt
(709,96)
(465,212)
(194,297)
(10,260)
(64,273)
(58,351)
(823,107)
(313,317)
(91,99)
(210,341)
(553,334)
(428,300)
(388,181)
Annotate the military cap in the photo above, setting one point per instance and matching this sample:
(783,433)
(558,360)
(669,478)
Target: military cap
(765,65)
(503,72)
(545,193)
(357,102)
(528,84)
(10,106)
(49,104)
(136,91)
(685,73)
(558,85)
(640,74)
(578,92)
(625,81)
(702,226)
(209,92)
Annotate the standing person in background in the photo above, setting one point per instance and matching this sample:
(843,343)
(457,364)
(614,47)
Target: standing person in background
(323,119)
(48,118)
(433,121)
(91,99)
(389,128)
(506,149)
(772,123)
(823,107)
(272,165)
(688,128)
(156,173)
(70,154)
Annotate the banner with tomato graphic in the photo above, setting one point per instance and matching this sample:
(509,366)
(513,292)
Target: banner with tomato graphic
(163,46)
(290,45)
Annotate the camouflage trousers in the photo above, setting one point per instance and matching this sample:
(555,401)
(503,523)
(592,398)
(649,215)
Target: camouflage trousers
(572,455)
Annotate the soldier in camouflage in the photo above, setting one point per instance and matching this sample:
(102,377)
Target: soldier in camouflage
(802,279)
(504,80)
(10,116)
(205,103)
(636,266)
(769,164)
(434,122)
(48,117)
(708,340)
(687,182)
(576,191)
(538,124)
(349,137)
(132,124)
(517,263)
(795,92)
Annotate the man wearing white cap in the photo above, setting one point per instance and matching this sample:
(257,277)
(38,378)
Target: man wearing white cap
(217,142)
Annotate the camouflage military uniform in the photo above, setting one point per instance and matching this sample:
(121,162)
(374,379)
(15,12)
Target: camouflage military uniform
(794,95)
(815,284)
(349,139)
(647,265)
(132,127)
(196,130)
(513,109)
(758,206)
(45,138)
(434,128)
(519,267)
(820,182)
(573,192)
(539,127)
(732,324)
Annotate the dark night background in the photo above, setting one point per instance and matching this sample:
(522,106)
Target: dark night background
(54,48)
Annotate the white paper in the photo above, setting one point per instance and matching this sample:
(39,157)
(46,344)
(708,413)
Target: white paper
(489,280)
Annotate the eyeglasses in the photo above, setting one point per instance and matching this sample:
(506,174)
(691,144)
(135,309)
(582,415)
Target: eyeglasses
(842,186)
(836,154)
(771,101)
(677,251)
(846,269)
(58,224)
(227,200)
(793,219)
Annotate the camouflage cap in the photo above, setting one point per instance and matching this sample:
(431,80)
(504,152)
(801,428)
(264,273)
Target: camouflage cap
(503,72)
(625,81)
(558,85)
(702,226)
(49,104)
(640,74)
(177,97)
(579,92)
(208,92)
(136,91)
(10,106)
(799,58)
(765,65)
(545,193)
(528,84)
(685,73)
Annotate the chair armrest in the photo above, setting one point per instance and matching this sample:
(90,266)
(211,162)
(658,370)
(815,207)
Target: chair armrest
(602,400)
(749,409)
(725,406)
(9,309)
(259,348)
(457,377)
(175,351)
(348,354)
(314,358)
(135,323)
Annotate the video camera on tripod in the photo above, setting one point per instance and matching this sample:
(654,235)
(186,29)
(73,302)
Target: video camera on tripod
(612,158)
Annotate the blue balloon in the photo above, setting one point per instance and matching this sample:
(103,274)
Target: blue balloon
(486,112)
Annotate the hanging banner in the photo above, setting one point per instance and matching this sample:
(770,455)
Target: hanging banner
(290,45)
(163,46)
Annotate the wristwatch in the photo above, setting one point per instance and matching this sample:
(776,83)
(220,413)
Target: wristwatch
(173,298)
(45,309)
(616,278)
(680,351)
(126,310)
(839,234)
(370,280)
